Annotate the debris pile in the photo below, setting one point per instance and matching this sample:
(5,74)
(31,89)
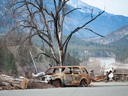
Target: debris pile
(10,83)
(15,83)
(39,85)
(98,79)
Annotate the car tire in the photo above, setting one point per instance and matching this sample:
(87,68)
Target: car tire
(83,83)
(57,83)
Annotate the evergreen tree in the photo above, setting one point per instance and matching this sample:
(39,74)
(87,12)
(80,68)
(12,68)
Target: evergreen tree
(1,56)
(77,61)
(68,59)
(85,58)
(9,64)
(71,60)
(40,58)
(7,61)
(14,68)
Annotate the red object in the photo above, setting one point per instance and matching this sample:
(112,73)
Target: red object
(123,69)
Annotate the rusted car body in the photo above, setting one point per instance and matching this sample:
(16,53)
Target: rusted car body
(67,76)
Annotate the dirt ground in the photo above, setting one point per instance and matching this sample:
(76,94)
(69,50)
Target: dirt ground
(39,85)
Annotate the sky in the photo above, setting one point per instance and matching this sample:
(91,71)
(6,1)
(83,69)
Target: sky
(116,7)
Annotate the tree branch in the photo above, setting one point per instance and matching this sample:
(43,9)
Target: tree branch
(93,32)
(55,5)
(62,6)
(30,36)
(46,55)
(13,4)
(71,11)
(44,40)
(92,19)
(78,28)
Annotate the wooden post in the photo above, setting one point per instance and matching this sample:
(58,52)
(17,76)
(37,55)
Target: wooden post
(123,74)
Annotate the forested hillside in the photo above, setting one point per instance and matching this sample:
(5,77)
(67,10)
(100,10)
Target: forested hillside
(123,42)
(81,48)
(69,59)
(7,61)
(123,56)
(115,36)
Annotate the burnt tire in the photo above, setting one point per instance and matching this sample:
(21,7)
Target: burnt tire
(83,83)
(57,83)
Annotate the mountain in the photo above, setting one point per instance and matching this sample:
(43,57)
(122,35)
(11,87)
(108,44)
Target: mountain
(84,7)
(103,25)
(114,37)
(121,42)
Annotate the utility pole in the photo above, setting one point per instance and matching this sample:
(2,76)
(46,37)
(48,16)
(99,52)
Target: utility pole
(33,62)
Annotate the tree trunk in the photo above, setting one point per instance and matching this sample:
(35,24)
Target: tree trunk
(11,82)
(45,17)
(61,57)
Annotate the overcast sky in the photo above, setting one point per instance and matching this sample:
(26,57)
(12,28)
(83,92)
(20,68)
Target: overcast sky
(117,7)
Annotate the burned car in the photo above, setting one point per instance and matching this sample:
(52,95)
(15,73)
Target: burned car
(66,76)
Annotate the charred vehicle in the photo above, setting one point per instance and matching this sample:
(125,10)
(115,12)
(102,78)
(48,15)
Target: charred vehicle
(66,76)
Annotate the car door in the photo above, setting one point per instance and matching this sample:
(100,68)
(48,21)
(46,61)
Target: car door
(77,75)
(68,76)
(86,74)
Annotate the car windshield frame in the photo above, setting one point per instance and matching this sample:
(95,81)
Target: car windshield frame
(55,70)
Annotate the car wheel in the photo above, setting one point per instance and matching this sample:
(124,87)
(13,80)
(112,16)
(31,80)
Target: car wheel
(57,83)
(83,83)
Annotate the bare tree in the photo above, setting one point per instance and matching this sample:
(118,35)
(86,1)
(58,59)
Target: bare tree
(44,18)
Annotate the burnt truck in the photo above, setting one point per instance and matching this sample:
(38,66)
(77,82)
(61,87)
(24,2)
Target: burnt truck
(65,76)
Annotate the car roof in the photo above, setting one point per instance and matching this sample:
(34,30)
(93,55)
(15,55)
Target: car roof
(65,66)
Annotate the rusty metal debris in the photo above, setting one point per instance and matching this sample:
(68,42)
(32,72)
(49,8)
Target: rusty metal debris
(108,75)
(98,78)
(112,74)
(65,76)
